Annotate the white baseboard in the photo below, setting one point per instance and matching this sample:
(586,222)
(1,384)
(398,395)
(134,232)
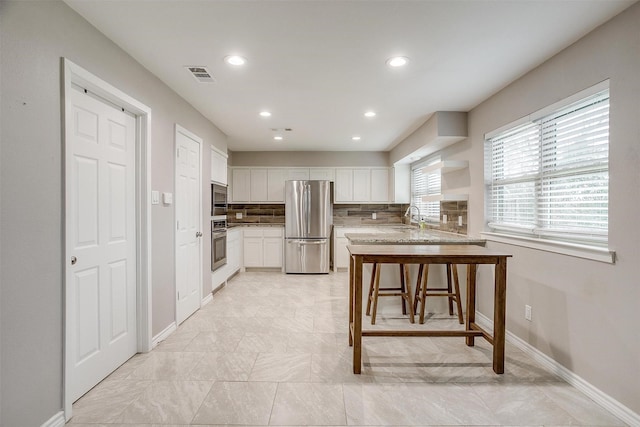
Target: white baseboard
(164,334)
(56,421)
(595,394)
(206,300)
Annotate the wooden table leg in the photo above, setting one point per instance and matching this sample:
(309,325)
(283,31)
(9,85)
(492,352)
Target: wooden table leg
(357,316)
(499,310)
(471,301)
(351,289)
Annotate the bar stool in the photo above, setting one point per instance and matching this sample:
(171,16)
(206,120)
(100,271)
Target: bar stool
(422,291)
(404,291)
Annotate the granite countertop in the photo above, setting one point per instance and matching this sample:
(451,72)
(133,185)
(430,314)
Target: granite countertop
(411,236)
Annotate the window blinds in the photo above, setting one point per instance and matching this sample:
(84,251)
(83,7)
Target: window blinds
(549,177)
(422,185)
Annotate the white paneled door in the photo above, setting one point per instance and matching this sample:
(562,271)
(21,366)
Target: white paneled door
(100,215)
(188,224)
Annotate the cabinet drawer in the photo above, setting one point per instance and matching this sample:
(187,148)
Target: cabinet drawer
(272,232)
(252,232)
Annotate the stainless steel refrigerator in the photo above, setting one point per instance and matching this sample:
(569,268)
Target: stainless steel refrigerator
(308,221)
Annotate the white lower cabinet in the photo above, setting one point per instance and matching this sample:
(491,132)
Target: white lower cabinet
(340,242)
(262,247)
(234,250)
(341,254)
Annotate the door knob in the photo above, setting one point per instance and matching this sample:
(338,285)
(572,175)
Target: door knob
(74,260)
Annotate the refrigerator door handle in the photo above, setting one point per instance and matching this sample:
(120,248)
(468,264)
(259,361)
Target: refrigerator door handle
(307,213)
(306,242)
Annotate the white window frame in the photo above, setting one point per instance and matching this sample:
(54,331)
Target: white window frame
(429,211)
(531,236)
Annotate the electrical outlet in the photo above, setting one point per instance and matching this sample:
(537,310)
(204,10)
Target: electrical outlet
(238,215)
(444,218)
(527,312)
(460,221)
(374,215)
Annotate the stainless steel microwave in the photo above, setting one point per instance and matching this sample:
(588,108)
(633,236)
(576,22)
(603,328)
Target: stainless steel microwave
(218,200)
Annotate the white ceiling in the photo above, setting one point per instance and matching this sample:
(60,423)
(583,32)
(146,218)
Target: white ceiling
(319,65)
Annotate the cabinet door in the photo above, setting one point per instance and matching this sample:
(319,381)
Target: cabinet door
(233,250)
(259,186)
(275,185)
(218,167)
(344,185)
(241,185)
(272,252)
(380,185)
(341,253)
(322,174)
(252,251)
(300,174)
(361,185)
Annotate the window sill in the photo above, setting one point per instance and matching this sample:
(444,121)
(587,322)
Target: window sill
(571,249)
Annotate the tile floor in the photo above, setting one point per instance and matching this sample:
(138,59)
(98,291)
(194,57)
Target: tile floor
(271,349)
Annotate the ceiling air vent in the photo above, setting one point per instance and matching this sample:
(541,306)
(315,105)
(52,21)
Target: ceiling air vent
(201,74)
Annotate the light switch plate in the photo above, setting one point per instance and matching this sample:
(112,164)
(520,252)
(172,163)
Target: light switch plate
(167,198)
(238,215)
(155,197)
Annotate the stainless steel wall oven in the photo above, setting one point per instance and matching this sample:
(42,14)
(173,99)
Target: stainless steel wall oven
(218,242)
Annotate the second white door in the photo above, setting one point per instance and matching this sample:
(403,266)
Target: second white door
(188,205)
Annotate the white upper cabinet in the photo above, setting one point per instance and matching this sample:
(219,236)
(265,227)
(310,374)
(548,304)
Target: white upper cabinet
(344,185)
(241,185)
(218,167)
(259,186)
(380,185)
(322,174)
(351,185)
(298,174)
(361,185)
(275,184)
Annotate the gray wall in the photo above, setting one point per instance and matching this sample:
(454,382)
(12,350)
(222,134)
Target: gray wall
(309,158)
(34,36)
(585,313)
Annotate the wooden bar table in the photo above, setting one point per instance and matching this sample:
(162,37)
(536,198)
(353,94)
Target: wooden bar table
(471,255)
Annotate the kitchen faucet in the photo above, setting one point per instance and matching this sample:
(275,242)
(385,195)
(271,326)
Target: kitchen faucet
(409,209)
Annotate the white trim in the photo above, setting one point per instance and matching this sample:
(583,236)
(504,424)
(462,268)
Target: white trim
(219,151)
(607,402)
(74,74)
(571,249)
(206,300)
(164,334)
(56,421)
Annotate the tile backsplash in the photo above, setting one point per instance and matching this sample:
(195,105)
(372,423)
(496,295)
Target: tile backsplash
(352,214)
(255,214)
(358,214)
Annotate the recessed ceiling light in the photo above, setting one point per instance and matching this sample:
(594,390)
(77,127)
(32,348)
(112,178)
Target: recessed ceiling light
(370,114)
(355,138)
(397,61)
(277,138)
(265,114)
(235,60)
